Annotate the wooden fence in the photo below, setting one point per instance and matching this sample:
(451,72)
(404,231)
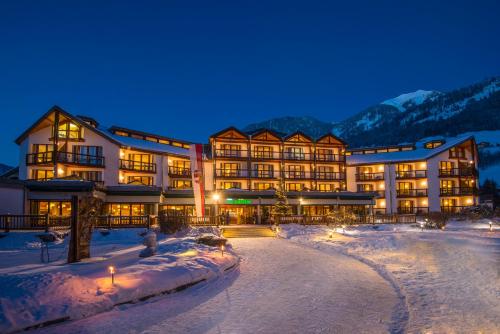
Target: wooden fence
(46,222)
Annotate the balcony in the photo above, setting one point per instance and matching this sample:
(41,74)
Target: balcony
(230,153)
(411,174)
(261,155)
(231,173)
(458,172)
(46,158)
(137,166)
(179,171)
(369,176)
(411,192)
(413,210)
(330,157)
(298,156)
(330,176)
(263,174)
(458,191)
(298,175)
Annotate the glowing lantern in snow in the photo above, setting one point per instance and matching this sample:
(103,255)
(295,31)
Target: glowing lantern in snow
(112,272)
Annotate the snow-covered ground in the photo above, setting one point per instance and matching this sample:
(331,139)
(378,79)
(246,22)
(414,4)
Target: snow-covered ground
(281,287)
(450,279)
(34,293)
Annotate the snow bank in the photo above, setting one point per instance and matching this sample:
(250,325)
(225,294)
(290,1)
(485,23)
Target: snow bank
(80,290)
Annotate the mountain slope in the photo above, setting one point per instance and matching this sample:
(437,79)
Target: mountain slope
(286,125)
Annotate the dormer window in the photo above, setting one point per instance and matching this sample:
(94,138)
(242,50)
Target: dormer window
(69,130)
(433,144)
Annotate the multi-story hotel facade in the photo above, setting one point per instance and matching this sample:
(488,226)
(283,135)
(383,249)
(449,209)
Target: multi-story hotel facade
(428,176)
(138,173)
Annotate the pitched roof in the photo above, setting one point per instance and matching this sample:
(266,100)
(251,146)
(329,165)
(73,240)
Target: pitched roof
(139,144)
(418,154)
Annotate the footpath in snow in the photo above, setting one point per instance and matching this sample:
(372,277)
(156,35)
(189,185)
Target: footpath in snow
(280,287)
(34,293)
(450,279)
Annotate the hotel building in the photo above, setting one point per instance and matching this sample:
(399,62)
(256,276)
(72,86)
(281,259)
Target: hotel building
(430,176)
(138,173)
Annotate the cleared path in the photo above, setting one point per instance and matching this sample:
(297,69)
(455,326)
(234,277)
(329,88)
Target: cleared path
(281,287)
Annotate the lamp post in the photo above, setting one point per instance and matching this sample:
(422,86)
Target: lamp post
(216,198)
(491,226)
(222,250)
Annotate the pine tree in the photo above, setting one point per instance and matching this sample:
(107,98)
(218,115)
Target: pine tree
(281,206)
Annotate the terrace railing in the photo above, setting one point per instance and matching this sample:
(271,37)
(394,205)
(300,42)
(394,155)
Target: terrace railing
(369,176)
(137,166)
(456,172)
(411,192)
(411,174)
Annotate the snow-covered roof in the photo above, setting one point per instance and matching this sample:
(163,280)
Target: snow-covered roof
(147,145)
(418,154)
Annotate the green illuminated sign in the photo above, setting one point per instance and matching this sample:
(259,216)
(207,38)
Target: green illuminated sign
(238,201)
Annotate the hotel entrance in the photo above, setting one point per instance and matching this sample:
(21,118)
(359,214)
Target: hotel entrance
(238,214)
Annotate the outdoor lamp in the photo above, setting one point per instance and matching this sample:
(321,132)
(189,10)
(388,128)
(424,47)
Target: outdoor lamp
(222,250)
(491,226)
(112,272)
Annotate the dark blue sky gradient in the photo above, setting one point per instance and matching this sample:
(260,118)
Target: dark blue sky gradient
(187,69)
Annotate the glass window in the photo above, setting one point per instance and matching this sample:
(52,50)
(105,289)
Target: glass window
(141,180)
(69,130)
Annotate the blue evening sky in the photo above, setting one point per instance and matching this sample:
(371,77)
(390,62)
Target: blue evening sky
(187,69)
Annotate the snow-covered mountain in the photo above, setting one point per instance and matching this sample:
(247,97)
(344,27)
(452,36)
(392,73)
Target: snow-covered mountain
(408,100)
(413,116)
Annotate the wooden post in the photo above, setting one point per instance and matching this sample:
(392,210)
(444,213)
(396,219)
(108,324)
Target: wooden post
(108,220)
(7,223)
(47,222)
(73,253)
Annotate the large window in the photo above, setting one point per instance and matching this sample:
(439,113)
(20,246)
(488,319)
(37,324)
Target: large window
(182,184)
(129,209)
(263,170)
(295,171)
(265,152)
(229,169)
(294,186)
(53,208)
(89,175)
(457,152)
(69,130)
(88,155)
(263,186)
(231,185)
(140,180)
(294,153)
(42,174)
(365,187)
(326,187)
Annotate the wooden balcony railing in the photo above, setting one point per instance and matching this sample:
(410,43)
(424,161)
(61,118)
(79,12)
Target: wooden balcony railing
(369,176)
(412,174)
(266,155)
(137,166)
(298,175)
(411,192)
(263,174)
(330,176)
(456,172)
(413,210)
(330,157)
(458,191)
(378,193)
(65,158)
(179,171)
(229,153)
(298,156)
(231,173)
